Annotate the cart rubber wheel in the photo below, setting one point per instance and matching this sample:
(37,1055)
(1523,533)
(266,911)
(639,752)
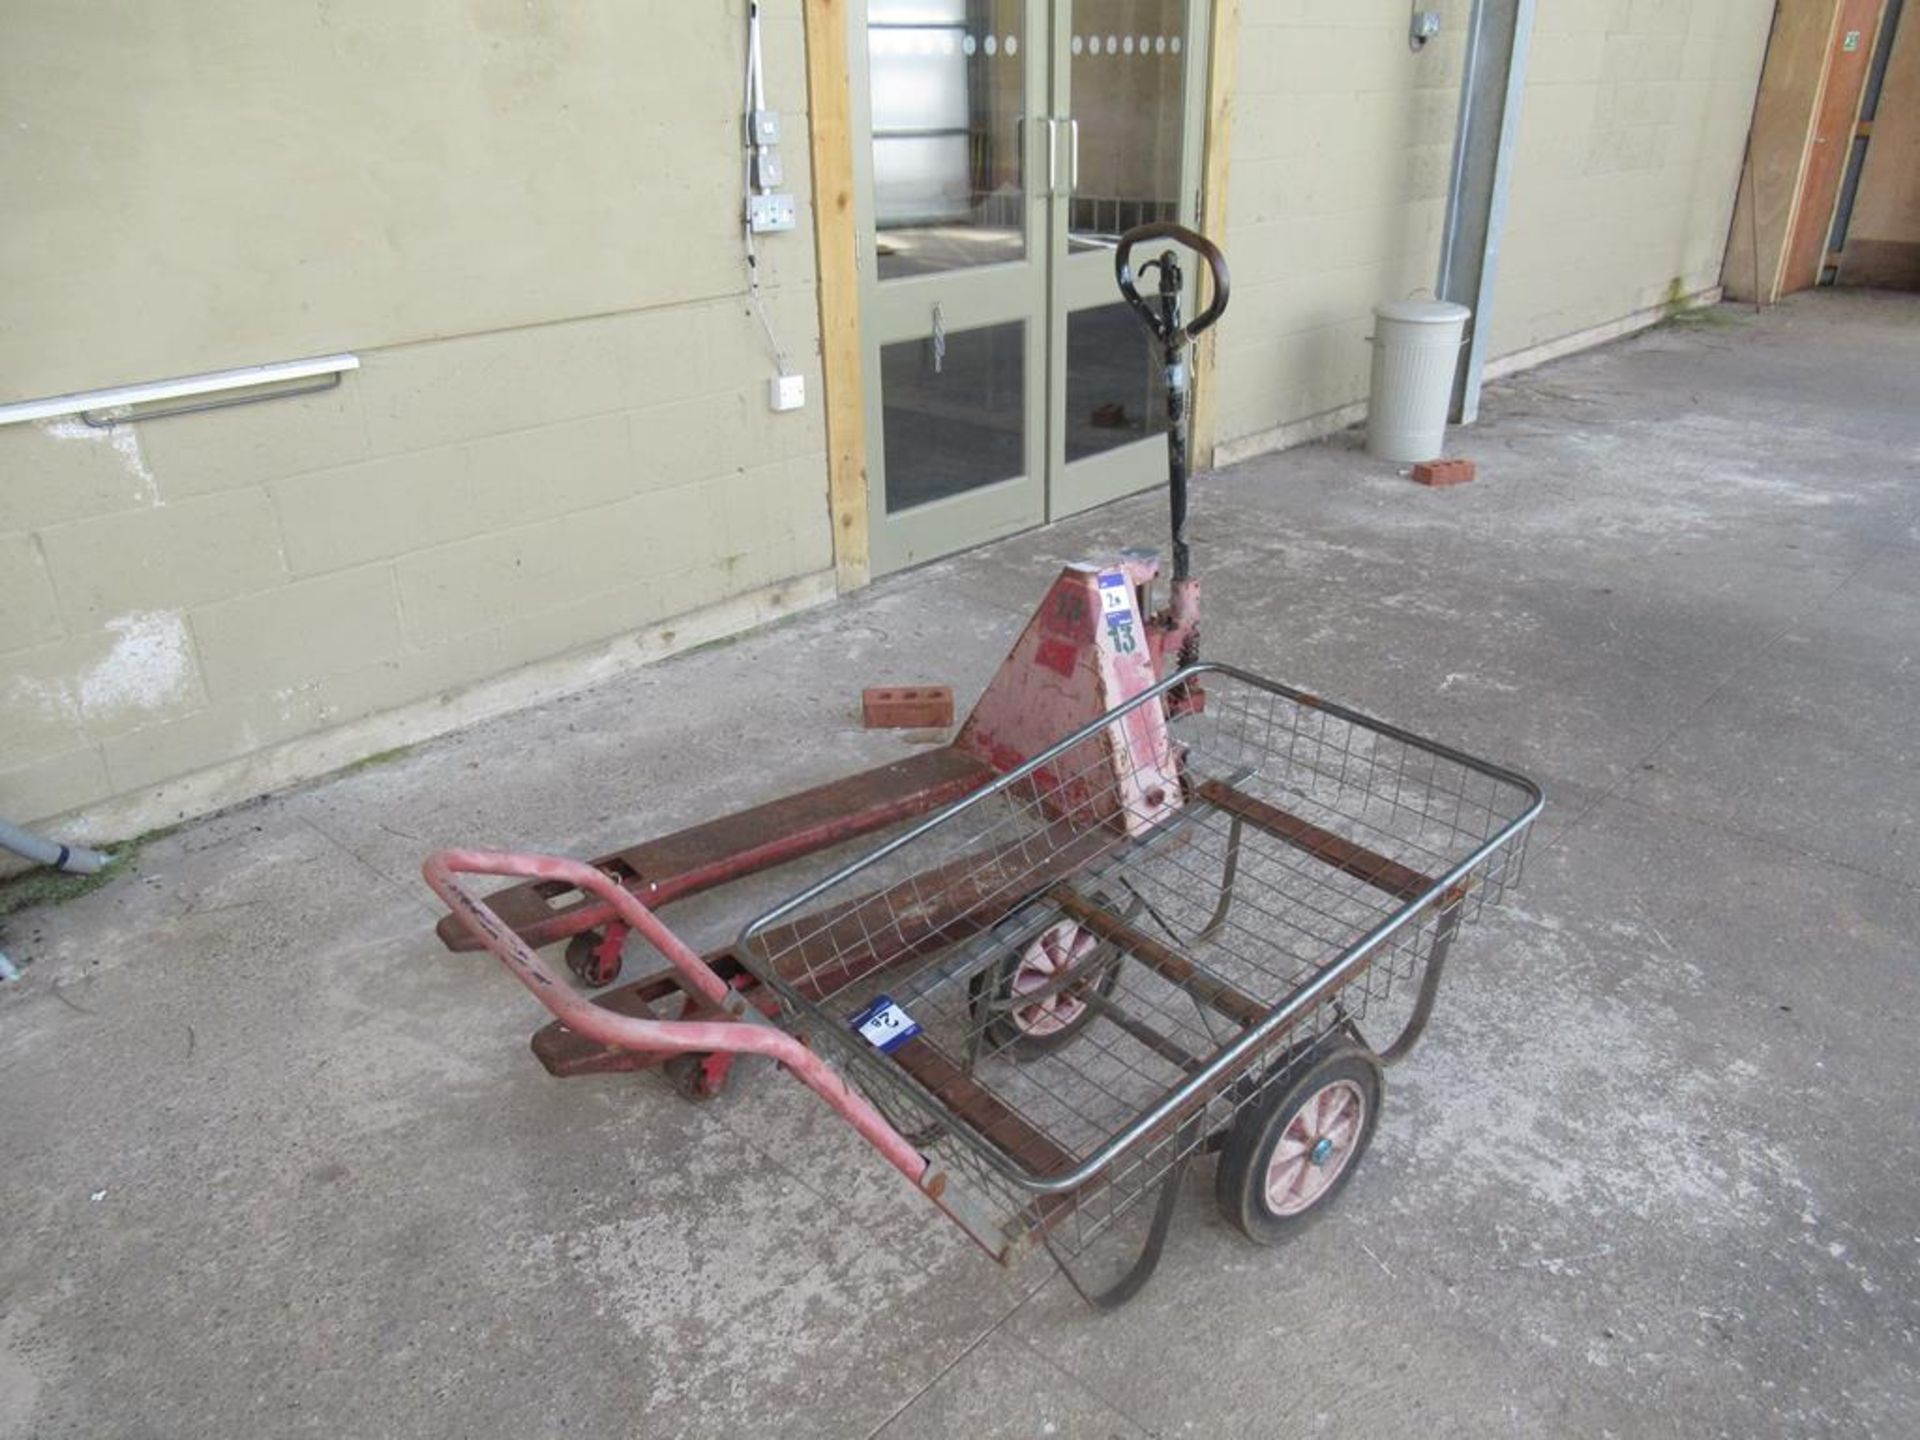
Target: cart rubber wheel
(1054,1020)
(1297,1144)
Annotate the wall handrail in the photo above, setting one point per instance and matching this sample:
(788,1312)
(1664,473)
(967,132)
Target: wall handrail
(87,403)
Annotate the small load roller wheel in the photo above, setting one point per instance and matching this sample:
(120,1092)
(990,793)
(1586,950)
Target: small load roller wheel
(697,1075)
(587,957)
(1293,1148)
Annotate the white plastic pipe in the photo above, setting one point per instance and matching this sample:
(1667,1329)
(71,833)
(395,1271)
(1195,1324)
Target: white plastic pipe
(74,859)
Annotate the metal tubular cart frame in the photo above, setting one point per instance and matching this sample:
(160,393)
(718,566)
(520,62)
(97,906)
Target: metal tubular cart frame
(1042,1109)
(1141,907)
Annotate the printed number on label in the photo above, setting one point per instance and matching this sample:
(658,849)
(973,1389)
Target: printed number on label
(884,1025)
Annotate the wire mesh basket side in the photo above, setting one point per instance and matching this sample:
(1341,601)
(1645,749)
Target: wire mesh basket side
(1094,989)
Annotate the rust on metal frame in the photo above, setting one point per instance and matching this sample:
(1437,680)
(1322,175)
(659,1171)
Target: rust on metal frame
(687,1037)
(702,857)
(816,955)
(977,1106)
(1342,854)
(837,945)
(1234,1003)
(565,1053)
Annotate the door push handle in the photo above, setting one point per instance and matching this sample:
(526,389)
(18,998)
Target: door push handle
(1053,154)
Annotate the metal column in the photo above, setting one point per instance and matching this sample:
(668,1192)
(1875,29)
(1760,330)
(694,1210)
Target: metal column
(1496,68)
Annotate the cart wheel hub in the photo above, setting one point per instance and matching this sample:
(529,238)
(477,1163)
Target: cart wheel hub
(1316,1147)
(1057,950)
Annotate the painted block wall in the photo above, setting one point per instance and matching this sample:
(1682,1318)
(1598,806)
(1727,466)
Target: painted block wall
(1629,161)
(523,220)
(1635,113)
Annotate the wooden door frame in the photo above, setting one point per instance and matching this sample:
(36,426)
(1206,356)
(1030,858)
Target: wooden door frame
(1223,52)
(836,233)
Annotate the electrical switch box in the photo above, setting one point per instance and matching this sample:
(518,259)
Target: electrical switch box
(769,213)
(763,127)
(788,392)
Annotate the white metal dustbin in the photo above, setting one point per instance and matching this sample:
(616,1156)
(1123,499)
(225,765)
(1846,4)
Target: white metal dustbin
(1416,348)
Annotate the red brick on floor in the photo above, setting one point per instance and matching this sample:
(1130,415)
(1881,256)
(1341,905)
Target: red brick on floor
(1443,472)
(907,707)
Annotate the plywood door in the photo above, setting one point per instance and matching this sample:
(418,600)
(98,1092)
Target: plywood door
(1848,56)
(1783,116)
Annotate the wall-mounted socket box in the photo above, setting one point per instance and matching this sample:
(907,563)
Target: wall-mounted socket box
(763,127)
(787,392)
(767,213)
(768,171)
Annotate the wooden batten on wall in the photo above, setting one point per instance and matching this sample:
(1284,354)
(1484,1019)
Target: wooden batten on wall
(836,236)
(1223,48)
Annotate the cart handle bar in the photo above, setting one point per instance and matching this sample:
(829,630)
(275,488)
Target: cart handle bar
(743,1034)
(1194,241)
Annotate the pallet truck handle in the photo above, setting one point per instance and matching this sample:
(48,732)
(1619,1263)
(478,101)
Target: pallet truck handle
(1194,241)
(486,927)
(743,1033)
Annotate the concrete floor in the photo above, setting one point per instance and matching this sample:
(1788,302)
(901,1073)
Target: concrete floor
(271,1163)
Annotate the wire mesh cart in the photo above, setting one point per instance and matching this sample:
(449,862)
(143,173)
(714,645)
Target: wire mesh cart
(1187,927)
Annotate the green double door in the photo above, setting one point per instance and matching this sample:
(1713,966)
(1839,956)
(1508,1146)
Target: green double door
(1002,146)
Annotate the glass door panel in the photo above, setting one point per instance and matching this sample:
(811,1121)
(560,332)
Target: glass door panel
(953,412)
(1126,91)
(953,304)
(947,86)
(1127,76)
(1003,147)
(1116,392)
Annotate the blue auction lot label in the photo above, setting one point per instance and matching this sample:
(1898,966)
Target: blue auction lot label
(884,1025)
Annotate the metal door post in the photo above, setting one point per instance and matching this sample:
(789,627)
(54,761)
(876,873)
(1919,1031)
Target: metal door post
(1495,72)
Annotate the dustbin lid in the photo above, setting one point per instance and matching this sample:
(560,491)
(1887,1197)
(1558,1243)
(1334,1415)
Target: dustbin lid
(1422,312)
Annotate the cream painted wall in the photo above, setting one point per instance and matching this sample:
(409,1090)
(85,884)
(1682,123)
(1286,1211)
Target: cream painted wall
(523,218)
(1335,196)
(1635,113)
(521,215)
(258,181)
(1629,160)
